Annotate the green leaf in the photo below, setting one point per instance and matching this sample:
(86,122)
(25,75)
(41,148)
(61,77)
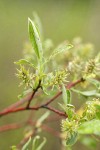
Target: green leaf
(95,82)
(35,38)
(88,93)
(42,144)
(97,107)
(61,48)
(72,140)
(90,127)
(66,95)
(38,23)
(85,93)
(36,143)
(24,93)
(70,112)
(62,106)
(98,111)
(98,115)
(45,90)
(24,61)
(42,118)
(97,94)
(27,144)
(89,142)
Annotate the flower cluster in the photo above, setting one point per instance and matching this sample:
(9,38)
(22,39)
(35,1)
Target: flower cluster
(70,127)
(91,110)
(59,77)
(25,76)
(92,68)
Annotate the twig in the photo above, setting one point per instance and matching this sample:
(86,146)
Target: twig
(35,90)
(55,111)
(32,108)
(19,103)
(35,131)
(11,127)
(25,139)
(69,86)
(14,109)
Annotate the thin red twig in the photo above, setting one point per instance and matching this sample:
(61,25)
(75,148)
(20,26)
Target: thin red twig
(33,108)
(14,109)
(10,127)
(13,126)
(35,90)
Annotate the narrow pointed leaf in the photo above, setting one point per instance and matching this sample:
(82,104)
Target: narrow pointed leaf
(38,23)
(95,82)
(72,140)
(60,49)
(90,127)
(24,61)
(66,95)
(89,142)
(42,144)
(26,145)
(35,38)
(42,118)
(36,143)
(86,93)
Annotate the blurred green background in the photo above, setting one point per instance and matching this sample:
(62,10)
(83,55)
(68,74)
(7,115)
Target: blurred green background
(61,19)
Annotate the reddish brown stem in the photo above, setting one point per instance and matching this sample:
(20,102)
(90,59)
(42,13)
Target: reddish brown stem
(32,108)
(19,103)
(25,139)
(55,111)
(10,127)
(13,126)
(12,109)
(35,90)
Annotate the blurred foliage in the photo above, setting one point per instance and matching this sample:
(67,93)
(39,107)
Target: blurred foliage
(35,146)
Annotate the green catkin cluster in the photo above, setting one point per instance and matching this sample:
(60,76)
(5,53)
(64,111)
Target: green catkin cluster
(25,76)
(90,110)
(71,125)
(59,77)
(90,69)
(55,79)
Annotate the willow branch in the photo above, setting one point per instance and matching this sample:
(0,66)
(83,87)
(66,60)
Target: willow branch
(33,108)
(35,90)
(69,86)
(14,109)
